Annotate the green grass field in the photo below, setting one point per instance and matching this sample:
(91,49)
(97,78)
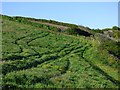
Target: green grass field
(34,57)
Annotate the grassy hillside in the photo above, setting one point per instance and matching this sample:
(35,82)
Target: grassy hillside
(38,55)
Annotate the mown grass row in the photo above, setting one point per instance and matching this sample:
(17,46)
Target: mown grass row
(29,62)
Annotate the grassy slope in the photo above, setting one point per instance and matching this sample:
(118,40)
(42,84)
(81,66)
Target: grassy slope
(33,55)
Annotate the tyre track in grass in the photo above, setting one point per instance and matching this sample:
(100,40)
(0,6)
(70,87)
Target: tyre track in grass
(37,53)
(108,77)
(34,63)
(62,72)
(21,48)
(57,56)
(98,69)
(29,35)
(19,57)
(94,66)
(68,63)
(66,67)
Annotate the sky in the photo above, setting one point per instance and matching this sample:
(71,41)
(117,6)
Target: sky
(91,14)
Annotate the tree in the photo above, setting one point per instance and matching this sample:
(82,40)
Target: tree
(115,28)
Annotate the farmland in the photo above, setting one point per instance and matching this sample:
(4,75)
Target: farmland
(43,57)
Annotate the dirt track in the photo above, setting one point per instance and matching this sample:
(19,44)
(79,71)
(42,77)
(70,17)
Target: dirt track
(59,26)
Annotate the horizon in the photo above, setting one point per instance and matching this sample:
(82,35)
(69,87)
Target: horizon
(106,17)
(60,21)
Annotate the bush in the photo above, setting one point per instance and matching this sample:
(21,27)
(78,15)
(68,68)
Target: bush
(115,28)
(77,31)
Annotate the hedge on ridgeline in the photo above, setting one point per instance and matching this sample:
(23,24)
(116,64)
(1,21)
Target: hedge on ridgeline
(77,31)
